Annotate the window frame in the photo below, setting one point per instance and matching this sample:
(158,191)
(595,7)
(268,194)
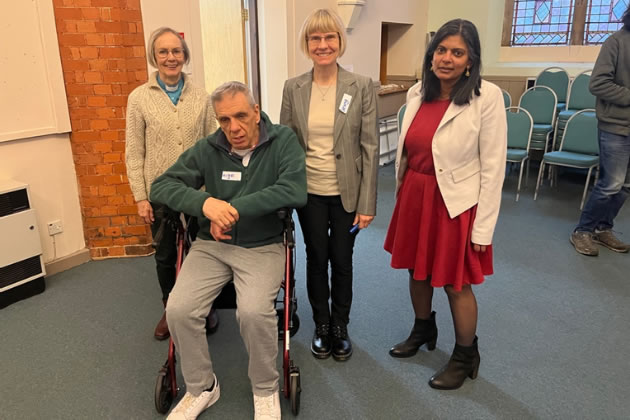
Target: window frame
(578,26)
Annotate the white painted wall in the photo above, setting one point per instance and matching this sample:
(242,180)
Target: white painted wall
(272,32)
(45,161)
(363,50)
(487,15)
(45,164)
(183,16)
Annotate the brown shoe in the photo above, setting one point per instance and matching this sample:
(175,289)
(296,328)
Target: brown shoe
(161,330)
(584,244)
(212,322)
(610,241)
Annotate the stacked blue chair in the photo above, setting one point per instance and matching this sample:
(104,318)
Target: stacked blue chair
(579,148)
(557,79)
(579,98)
(507,98)
(519,125)
(540,102)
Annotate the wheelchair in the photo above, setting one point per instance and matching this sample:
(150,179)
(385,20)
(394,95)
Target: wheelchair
(166,388)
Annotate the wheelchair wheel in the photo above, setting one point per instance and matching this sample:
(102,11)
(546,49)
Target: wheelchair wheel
(295,391)
(294,328)
(163,391)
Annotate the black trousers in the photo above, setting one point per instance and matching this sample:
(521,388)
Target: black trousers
(326,228)
(166,251)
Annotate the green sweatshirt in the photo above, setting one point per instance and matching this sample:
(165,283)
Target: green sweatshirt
(274,178)
(610,83)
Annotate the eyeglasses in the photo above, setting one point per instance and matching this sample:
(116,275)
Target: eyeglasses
(316,39)
(177,53)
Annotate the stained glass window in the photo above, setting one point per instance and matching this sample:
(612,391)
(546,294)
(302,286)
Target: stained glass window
(542,22)
(603,18)
(551,22)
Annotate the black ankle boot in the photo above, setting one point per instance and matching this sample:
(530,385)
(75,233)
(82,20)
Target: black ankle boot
(320,346)
(341,345)
(463,362)
(424,331)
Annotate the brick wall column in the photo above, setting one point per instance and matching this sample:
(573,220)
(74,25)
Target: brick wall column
(103,58)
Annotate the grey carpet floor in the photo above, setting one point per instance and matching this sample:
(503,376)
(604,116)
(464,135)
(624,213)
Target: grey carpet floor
(553,334)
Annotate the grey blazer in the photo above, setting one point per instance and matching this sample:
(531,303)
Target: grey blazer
(356,140)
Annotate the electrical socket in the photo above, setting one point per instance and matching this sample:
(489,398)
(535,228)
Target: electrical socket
(55,227)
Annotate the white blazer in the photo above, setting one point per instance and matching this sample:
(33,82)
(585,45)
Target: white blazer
(469,154)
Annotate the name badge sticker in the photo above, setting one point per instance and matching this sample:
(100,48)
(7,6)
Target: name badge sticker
(345,103)
(231,176)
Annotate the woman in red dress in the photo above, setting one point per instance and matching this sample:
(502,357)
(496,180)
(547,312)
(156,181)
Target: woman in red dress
(449,174)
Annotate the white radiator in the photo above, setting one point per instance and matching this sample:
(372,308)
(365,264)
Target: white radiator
(20,247)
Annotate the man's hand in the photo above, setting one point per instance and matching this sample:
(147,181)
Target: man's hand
(362,220)
(145,211)
(220,213)
(218,234)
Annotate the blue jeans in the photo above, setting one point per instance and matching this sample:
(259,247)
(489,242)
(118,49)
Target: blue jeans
(613,186)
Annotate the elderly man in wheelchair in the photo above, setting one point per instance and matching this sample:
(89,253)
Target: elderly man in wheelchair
(250,168)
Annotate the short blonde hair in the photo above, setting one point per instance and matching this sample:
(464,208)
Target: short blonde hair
(158,33)
(322,20)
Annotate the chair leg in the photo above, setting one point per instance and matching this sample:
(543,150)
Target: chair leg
(588,178)
(527,173)
(520,177)
(540,173)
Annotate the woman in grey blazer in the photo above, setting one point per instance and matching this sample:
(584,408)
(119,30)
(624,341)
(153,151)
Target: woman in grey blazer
(333,113)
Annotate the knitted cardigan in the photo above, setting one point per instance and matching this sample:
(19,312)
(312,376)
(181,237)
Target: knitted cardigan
(158,131)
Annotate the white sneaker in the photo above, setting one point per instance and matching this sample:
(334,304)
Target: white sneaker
(267,408)
(190,406)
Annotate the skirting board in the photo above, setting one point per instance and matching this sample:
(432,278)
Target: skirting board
(67,262)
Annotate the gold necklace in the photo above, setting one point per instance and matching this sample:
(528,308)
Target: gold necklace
(322,92)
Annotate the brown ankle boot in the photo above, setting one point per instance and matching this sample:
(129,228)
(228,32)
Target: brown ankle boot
(464,362)
(161,330)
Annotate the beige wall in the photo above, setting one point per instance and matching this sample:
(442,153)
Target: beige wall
(42,161)
(183,18)
(45,164)
(272,27)
(487,15)
(363,52)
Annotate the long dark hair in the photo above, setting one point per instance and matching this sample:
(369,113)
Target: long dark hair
(463,90)
(626,18)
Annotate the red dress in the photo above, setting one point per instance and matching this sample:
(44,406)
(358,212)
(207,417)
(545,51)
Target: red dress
(421,235)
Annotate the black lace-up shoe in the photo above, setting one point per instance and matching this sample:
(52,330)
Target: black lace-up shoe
(341,345)
(320,346)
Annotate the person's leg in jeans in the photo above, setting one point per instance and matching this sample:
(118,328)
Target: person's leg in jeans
(609,193)
(613,186)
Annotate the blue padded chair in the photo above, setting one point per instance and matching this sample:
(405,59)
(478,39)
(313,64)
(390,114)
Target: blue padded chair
(519,126)
(507,98)
(557,79)
(540,102)
(578,98)
(579,148)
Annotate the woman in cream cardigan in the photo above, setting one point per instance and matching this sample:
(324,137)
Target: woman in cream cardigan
(165,116)
(449,174)
(333,113)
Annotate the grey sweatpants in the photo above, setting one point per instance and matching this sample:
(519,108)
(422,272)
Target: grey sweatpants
(257,274)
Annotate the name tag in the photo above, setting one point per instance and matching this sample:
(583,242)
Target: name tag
(345,103)
(231,176)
